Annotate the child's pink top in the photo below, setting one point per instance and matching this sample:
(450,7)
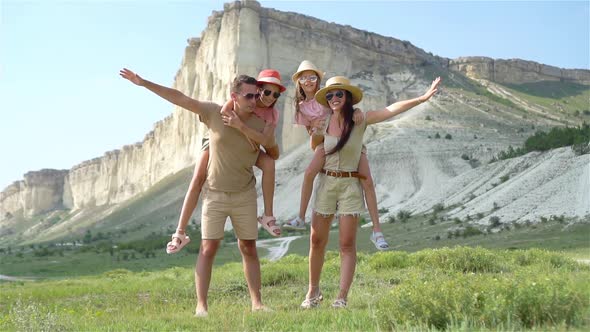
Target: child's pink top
(268,114)
(309,111)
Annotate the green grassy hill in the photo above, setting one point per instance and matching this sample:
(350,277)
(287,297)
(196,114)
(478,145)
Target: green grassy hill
(462,289)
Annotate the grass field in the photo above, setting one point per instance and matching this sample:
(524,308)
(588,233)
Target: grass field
(436,289)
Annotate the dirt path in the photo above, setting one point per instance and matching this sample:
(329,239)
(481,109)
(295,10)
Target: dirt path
(277,248)
(9,278)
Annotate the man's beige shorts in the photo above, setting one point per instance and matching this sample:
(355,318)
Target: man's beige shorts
(240,207)
(342,196)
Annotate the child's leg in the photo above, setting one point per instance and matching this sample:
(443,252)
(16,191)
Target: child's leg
(370,194)
(192,195)
(316,165)
(267,166)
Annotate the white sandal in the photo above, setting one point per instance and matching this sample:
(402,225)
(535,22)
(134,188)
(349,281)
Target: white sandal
(312,302)
(339,304)
(171,248)
(295,224)
(379,241)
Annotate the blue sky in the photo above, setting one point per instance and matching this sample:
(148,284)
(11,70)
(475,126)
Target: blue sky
(62,101)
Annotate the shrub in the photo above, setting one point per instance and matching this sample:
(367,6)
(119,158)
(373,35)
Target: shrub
(448,136)
(465,156)
(438,207)
(403,215)
(495,221)
(437,135)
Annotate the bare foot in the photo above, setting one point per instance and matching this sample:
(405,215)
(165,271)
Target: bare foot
(201,312)
(261,308)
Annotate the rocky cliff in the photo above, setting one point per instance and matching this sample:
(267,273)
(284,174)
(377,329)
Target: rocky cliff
(245,38)
(516,71)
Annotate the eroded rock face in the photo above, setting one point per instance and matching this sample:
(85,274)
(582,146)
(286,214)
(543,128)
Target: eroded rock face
(39,192)
(245,38)
(516,71)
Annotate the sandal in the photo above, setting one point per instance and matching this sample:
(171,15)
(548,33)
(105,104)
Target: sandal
(171,248)
(266,222)
(379,241)
(295,224)
(312,302)
(339,304)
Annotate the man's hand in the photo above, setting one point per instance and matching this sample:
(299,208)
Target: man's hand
(131,76)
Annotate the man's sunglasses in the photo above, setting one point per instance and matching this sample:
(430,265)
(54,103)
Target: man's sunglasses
(251,95)
(275,94)
(331,95)
(312,79)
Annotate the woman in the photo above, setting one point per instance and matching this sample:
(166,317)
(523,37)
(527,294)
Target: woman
(313,115)
(338,190)
(270,90)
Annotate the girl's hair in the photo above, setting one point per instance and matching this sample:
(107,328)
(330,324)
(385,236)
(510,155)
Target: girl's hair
(347,112)
(300,94)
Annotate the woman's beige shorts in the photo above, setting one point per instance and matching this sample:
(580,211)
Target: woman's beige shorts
(240,207)
(342,196)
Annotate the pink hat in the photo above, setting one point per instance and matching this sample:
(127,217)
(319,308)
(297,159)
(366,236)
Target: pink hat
(271,76)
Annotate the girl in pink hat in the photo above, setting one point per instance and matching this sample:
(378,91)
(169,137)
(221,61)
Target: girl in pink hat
(312,115)
(270,89)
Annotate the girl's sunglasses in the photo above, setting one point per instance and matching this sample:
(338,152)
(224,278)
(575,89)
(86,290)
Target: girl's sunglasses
(331,95)
(312,79)
(268,92)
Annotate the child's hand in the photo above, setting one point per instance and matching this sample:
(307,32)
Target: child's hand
(317,125)
(232,120)
(227,108)
(358,116)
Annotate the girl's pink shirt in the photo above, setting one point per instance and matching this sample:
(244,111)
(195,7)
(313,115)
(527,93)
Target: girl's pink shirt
(309,111)
(268,114)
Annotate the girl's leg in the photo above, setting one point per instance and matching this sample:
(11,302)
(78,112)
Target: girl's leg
(267,165)
(371,200)
(192,195)
(320,228)
(347,237)
(316,165)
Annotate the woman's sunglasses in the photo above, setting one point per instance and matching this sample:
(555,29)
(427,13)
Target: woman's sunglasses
(312,79)
(268,92)
(331,95)
(251,95)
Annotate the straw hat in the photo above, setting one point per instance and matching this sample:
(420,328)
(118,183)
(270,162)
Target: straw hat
(341,83)
(271,76)
(307,65)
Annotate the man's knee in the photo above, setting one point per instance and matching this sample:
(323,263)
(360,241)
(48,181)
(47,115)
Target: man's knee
(208,248)
(248,247)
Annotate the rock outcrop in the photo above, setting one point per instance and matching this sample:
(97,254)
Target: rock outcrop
(516,71)
(245,38)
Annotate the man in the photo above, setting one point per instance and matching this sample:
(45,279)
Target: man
(229,189)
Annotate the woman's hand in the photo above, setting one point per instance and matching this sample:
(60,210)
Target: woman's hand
(131,76)
(433,89)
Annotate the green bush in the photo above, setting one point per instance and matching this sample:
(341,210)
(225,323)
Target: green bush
(389,260)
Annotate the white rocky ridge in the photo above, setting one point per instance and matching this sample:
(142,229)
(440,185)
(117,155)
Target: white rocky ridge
(411,171)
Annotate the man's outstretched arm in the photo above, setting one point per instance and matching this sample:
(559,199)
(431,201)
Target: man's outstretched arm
(172,95)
